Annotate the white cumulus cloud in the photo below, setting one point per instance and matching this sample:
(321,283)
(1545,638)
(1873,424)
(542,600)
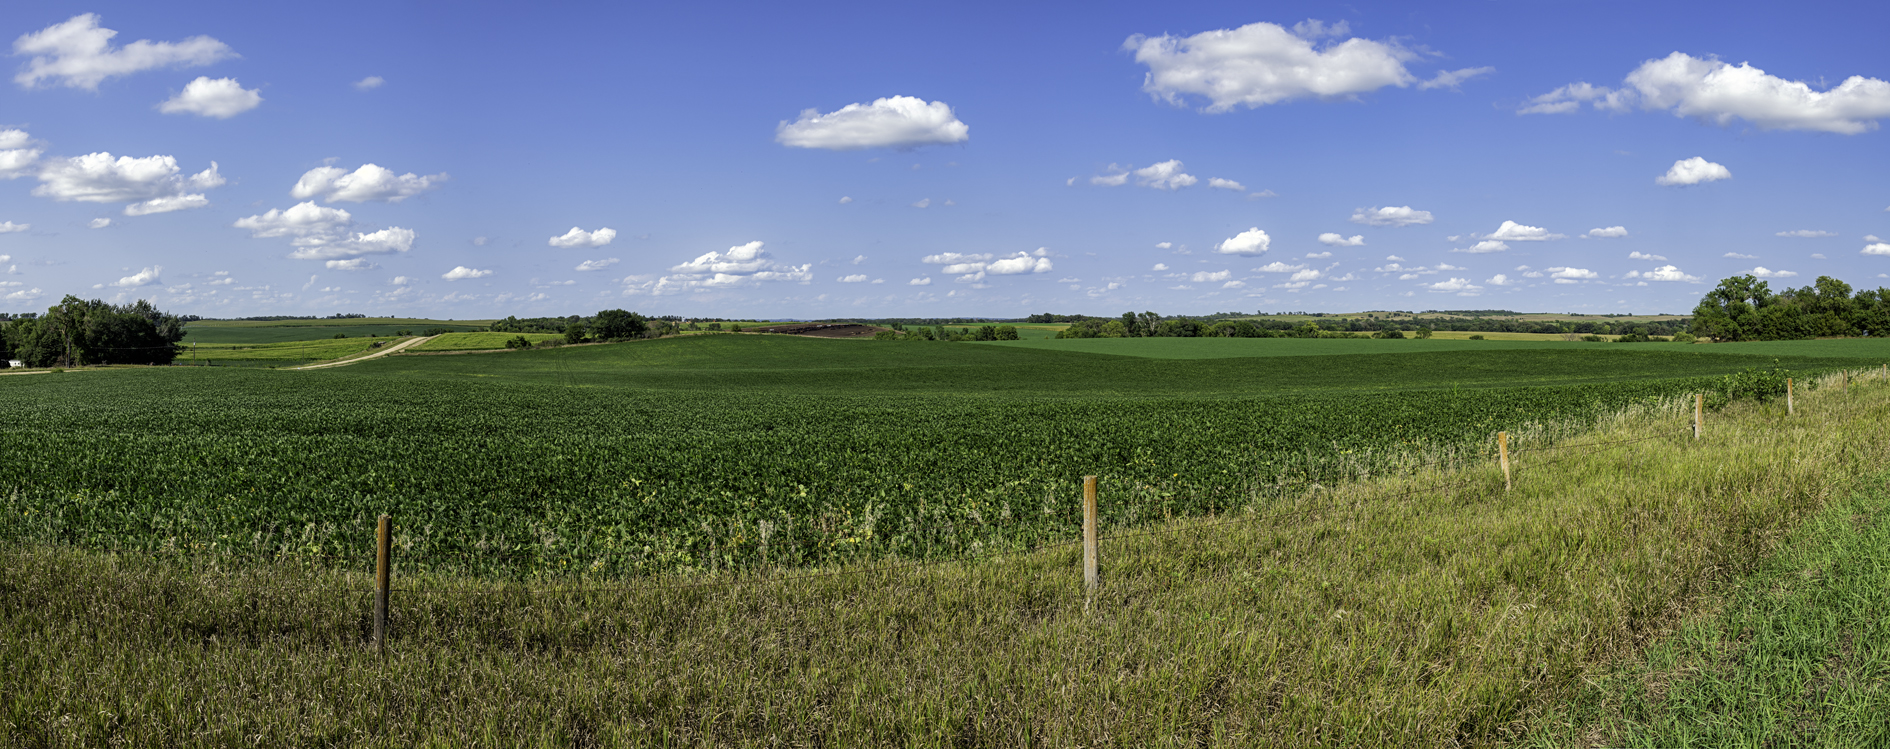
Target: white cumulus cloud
(78,53)
(1569,98)
(19,153)
(221,98)
(1878,248)
(1572,274)
(1226,184)
(1693,171)
(892,122)
(580,238)
(1764,272)
(370,83)
(1484,247)
(927,281)
(1402,215)
(1278,267)
(350,264)
(591,265)
(741,265)
(1807,233)
(1159,267)
(8,227)
(99,223)
(1250,242)
(1166,175)
(1664,273)
(1263,63)
(1500,280)
(1719,92)
(1511,231)
(151,184)
(323,233)
(1608,232)
(1212,276)
(1339,240)
(1459,285)
(1644,256)
(146,277)
(370,182)
(855,278)
(462,273)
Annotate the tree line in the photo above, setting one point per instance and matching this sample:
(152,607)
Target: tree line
(1744,308)
(77,332)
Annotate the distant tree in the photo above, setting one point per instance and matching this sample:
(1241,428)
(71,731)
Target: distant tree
(1389,333)
(1007,333)
(95,332)
(985,333)
(518,342)
(615,324)
(1731,311)
(574,333)
(1423,332)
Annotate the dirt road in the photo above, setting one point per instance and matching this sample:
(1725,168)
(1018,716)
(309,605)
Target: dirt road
(376,355)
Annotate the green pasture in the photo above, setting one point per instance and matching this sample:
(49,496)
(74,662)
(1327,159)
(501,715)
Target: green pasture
(1241,348)
(1234,348)
(478,341)
(739,365)
(281,351)
(276,331)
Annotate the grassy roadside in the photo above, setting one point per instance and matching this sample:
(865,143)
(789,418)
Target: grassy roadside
(1800,655)
(1383,613)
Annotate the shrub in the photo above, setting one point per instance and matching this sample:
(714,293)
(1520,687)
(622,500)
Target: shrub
(1389,333)
(436,331)
(1007,333)
(518,342)
(1592,338)
(403,331)
(341,335)
(1684,338)
(1477,337)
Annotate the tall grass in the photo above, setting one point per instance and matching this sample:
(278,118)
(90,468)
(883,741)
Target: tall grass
(1370,614)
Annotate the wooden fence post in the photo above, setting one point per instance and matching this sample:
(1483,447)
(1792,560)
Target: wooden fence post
(1700,413)
(1502,450)
(1089,533)
(383,553)
(1789,407)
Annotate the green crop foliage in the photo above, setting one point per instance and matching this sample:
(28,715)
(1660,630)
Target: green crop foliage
(479,341)
(711,452)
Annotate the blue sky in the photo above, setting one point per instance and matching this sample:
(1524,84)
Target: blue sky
(875,159)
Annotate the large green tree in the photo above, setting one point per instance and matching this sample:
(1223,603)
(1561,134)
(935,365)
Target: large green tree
(78,331)
(1743,308)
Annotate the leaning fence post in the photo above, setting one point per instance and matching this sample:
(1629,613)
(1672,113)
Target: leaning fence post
(1700,413)
(383,553)
(1502,450)
(1789,408)
(1089,533)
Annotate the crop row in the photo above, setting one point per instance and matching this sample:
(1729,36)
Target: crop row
(519,477)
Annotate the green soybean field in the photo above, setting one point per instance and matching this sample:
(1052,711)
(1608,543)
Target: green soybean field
(716,452)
